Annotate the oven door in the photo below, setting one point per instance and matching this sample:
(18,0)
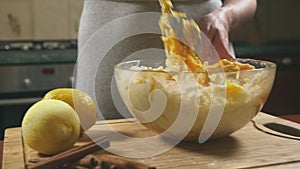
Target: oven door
(24,85)
(13,107)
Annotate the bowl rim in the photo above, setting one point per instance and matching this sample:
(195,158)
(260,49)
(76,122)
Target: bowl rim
(270,65)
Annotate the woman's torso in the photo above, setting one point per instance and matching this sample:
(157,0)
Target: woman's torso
(96,15)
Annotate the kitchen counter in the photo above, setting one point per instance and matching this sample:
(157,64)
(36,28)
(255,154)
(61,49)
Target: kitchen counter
(242,49)
(246,148)
(269,48)
(38,52)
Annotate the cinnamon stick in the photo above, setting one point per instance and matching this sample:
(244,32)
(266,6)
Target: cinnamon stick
(88,161)
(72,154)
(107,161)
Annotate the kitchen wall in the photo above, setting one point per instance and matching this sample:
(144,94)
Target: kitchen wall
(58,19)
(39,19)
(275,20)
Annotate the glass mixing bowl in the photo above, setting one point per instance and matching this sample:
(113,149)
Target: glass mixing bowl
(157,98)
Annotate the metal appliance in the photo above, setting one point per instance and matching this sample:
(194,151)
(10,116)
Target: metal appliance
(27,71)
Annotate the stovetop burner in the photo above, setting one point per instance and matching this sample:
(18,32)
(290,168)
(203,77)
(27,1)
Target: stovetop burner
(38,45)
(37,52)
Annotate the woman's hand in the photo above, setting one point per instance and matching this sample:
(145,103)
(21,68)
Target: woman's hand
(216,26)
(228,19)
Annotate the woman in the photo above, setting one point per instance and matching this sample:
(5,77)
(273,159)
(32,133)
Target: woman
(216,19)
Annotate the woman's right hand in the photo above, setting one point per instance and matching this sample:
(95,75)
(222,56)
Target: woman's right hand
(215,26)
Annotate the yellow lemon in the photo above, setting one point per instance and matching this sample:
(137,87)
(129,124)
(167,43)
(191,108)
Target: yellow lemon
(82,103)
(50,126)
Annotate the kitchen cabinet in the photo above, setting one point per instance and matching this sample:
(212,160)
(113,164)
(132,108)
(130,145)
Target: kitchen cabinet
(75,13)
(51,19)
(39,19)
(16,19)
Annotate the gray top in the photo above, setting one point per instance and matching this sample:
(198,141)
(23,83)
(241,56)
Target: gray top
(103,21)
(97,13)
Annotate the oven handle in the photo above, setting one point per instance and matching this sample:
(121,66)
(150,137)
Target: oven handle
(9,102)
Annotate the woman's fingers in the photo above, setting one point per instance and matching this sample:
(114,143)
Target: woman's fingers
(215,27)
(222,45)
(207,27)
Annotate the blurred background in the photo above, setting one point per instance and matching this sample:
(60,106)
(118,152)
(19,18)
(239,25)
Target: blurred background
(38,50)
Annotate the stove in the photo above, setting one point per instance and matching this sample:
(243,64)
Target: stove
(37,45)
(28,69)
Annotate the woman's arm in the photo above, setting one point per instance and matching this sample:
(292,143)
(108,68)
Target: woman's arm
(218,24)
(238,12)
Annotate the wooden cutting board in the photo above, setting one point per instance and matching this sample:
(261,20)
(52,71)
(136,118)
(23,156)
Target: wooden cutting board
(250,147)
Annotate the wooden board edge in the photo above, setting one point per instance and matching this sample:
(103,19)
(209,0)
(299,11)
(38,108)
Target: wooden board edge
(114,121)
(13,153)
(264,117)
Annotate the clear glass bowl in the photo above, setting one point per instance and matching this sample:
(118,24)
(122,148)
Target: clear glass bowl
(157,98)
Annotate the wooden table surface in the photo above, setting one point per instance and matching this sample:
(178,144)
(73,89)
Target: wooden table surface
(250,147)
